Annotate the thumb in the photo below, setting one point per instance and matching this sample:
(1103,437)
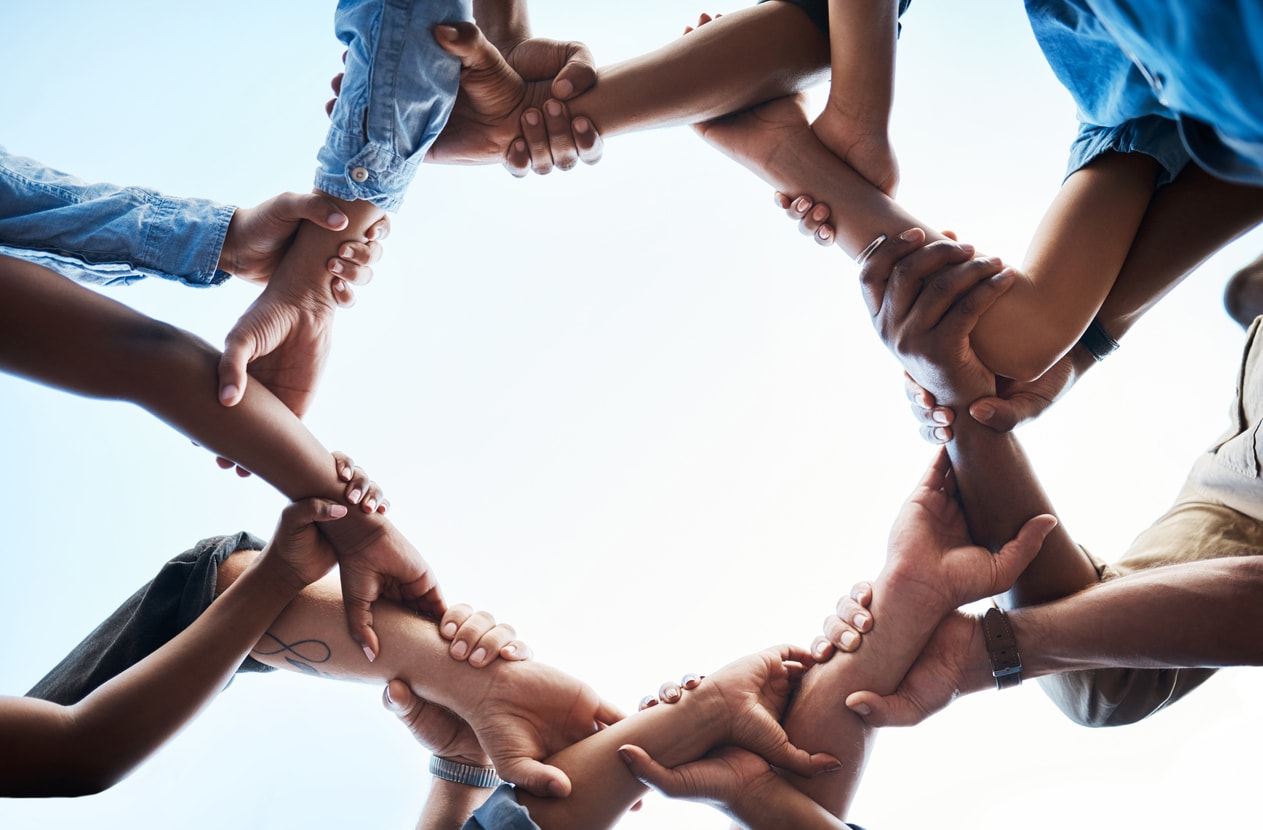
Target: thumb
(399,699)
(467,42)
(359,613)
(316,208)
(536,778)
(1004,415)
(238,351)
(1018,552)
(577,76)
(878,711)
(652,774)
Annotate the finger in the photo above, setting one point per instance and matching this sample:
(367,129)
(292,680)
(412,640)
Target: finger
(822,649)
(356,487)
(467,42)
(928,271)
(489,645)
(607,713)
(373,497)
(225,463)
(841,634)
(670,692)
(344,465)
(470,632)
(588,141)
(782,201)
(561,142)
(790,653)
(919,397)
(1017,553)
(453,618)
(798,208)
(358,593)
(690,681)
(878,268)
(647,702)
(343,294)
(649,772)
(397,696)
(238,351)
(517,159)
(515,651)
(988,286)
(536,135)
(1005,415)
(877,711)
(379,230)
(297,516)
(535,777)
(314,207)
(577,76)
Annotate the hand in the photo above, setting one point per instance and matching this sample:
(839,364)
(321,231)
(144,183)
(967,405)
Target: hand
(1015,402)
(865,149)
(724,779)
(844,630)
(477,637)
(937,678)
(360,489)
(530,711)
(491,103)
(925,301)
(812,219)
(752,136)
(931,560)
(753,692)
(297,550)
(258,237)
(435,728)
(375,560)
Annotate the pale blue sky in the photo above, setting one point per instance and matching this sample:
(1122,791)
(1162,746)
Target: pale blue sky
(627,409)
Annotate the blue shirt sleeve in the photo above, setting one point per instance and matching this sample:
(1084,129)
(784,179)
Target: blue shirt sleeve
(106,234)
(501,812)
(397,93)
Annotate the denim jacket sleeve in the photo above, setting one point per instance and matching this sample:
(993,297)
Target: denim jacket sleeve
(397,93)
(105,234)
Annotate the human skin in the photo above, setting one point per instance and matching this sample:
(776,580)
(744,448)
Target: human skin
(51,750)
(63,335)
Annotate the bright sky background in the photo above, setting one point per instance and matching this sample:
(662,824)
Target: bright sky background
(627,409)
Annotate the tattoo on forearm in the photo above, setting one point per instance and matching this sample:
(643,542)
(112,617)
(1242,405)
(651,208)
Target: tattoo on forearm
(307,652)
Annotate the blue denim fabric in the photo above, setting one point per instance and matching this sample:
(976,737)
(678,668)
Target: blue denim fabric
(1195,64)
(1152,135)
(397,94)
(105,234)
(501,812)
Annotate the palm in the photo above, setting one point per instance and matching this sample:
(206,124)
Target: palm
(485,117)
(286,343)
(444,734)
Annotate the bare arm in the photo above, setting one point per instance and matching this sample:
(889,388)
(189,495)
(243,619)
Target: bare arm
(55,332)
(51,750)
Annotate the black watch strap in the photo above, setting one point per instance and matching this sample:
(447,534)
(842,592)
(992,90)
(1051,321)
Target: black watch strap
(1006,664)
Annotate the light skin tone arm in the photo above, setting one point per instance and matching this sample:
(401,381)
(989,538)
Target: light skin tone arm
(58,333)
(52,750)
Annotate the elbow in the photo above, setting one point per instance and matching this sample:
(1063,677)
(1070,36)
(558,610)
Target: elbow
(1023,362)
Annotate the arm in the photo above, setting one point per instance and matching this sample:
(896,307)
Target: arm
(51,750)
(55,332)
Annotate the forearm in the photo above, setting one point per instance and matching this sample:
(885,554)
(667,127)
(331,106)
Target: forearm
(603,787)
(502,21)
(99,740)
(302,274)
(1187,221)
(742,59)
(449,805)
(1000,492)
(1195,614)
(862,38)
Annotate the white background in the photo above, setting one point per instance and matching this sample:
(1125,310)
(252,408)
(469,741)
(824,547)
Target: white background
(626,408)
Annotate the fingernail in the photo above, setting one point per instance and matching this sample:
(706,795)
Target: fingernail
(371,504)
(832,766)
(824,234)
(671,695)
(647,701)
(337,511)
(459,650)
(347,252)
(967,248)
(552,108)
(563,89)
(939,417)
(582,125)
(389,699)
(848,639)
(478,656)
(449,630)
(557,789)
(532,117)
(448,33)
(862,710)
(345,472)
(981,411)
(912,234)
(370,654)
(354,496)
(228,393)
(509,650)
(625,755)
(800,204)
(860,620)
(818,649)
(336,218)
(336,266)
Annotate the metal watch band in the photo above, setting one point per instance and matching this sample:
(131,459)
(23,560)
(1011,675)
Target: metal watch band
(1006,663)
(467,774)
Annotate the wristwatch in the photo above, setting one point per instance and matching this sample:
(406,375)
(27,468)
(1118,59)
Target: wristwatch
(1006,663)
(467,774)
